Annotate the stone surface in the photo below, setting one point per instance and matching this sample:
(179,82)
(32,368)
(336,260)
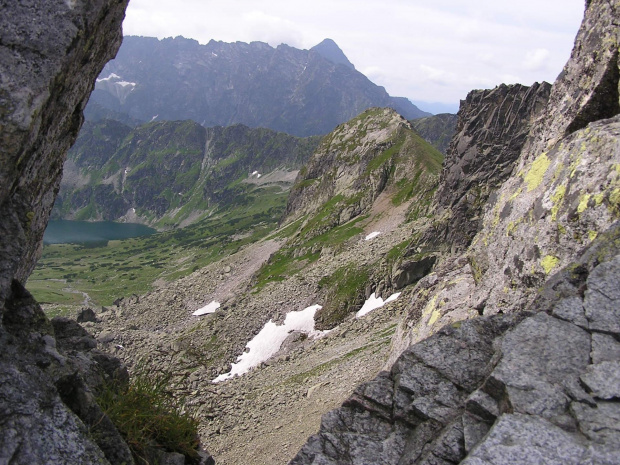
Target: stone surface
(50,54)
(494,390)
(605,348)
(602,300)
(85,315)
(518,438)
(603,380)
(491,130)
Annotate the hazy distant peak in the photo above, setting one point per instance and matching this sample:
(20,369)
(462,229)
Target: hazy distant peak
(329,49)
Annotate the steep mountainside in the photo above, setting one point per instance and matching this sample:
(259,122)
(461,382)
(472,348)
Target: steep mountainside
(171,173)
(358,160)
(300,92)
(374,175)
(50,55)
(530,382)
(437,129)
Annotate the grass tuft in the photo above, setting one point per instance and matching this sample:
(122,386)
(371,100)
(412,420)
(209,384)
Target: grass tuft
(147,416)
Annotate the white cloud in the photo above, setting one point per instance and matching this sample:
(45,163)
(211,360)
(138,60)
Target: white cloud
(536,60)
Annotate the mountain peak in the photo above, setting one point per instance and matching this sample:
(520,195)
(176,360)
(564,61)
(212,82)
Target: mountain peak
(329,49)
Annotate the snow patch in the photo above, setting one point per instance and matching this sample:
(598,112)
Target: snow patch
(258,175)
(374,303)
(126,83)
(111,76)
(209,308)
(372,235)
(213,54)
(268,341)
(254,173)
(154,118)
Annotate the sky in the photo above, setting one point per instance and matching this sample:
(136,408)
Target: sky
(427,51)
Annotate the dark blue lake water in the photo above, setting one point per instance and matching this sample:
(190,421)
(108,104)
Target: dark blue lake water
(77,232)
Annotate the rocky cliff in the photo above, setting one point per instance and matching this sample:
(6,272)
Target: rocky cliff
(300,92)
(359,160)
(531,384)
(51,53)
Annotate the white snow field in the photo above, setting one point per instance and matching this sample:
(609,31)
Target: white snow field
(268,341)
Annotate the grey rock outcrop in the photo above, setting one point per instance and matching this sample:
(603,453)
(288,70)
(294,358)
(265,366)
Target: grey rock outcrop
(563,191)
(541,255)
(517,388)
(491,130)
(50,55)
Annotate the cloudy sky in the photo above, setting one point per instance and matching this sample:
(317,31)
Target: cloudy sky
(430,51)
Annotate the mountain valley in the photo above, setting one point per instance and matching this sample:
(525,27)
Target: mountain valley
(383,286)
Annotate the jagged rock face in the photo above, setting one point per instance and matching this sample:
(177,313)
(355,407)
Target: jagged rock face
(295,91)
(437,129)
(545,392)
(48,70)
(567,182)
(357,161)
(563,192)
(491,130)
(534,387)
(51,53)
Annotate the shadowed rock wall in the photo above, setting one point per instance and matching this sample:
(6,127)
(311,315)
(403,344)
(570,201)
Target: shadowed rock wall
(51,51)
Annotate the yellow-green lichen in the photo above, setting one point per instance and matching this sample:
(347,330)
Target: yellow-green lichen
(561,228)
(535,175)
(557,172)
(574,165)
(516,194)
(592,235)
(598,198)
(430,307)
(614,197)
(557,200)
(512,226)
(549,262)
(583,203)
(497,209)
(434,317)
(476,270)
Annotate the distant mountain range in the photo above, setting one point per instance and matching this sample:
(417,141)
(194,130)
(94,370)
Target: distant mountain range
(300,92)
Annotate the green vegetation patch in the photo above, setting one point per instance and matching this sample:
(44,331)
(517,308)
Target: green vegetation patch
(147,416)
(345,293)
(121,268)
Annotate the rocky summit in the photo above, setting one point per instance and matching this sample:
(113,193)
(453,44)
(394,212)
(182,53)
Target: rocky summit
(300,92)
(409,308)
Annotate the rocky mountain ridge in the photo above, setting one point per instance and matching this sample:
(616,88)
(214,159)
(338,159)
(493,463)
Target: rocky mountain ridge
(299,92)
(542,261)
(526,306)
